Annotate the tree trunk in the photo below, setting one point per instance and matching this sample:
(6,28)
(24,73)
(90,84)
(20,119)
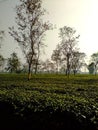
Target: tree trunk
(37,62)
(95,69)
(36,67)
(68,65)
(29,72)
(29,76)
(57,68)
(74,71)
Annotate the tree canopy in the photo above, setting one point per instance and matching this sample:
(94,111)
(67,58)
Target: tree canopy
(68,44)
(13,64)
(30,29)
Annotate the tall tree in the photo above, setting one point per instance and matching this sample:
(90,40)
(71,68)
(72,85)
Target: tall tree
(13,64)
(30,29)
(68,45)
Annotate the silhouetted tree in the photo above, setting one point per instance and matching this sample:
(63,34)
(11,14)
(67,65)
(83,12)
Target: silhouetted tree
(1,36)
(2,61)
(91,68)
(30,29)
(77,61)
(68,45)
(47,66)
(94,59)
(13,64)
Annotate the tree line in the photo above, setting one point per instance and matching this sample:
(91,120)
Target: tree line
(30,31)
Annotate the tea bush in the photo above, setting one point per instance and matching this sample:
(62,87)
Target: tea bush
(49,102)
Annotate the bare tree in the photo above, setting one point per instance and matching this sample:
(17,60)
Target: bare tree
(68,45)
(30,29)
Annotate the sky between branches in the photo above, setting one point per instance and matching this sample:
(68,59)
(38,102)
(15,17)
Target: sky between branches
(79,14)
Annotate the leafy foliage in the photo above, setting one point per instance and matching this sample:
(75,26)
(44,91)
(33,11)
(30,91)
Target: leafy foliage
(13,64)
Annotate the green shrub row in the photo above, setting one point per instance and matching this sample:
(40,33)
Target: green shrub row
(45,93)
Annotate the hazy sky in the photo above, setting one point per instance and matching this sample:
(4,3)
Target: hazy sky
(80,14)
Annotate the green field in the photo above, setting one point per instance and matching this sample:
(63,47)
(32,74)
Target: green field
(49,101)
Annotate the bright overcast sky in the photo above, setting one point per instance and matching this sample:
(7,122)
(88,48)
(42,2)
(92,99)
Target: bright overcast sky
(80,14)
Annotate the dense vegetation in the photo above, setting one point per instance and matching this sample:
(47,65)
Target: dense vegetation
(48,102)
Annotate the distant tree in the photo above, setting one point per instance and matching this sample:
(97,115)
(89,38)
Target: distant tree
(1,37)
(2,61)
(56,57)
(77,61)
(94,59)
(30,29)
(62,68)
(24,68)
(40,67)
(91,68)
(47,66)
(13,64)
(85,67)
(68,45)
